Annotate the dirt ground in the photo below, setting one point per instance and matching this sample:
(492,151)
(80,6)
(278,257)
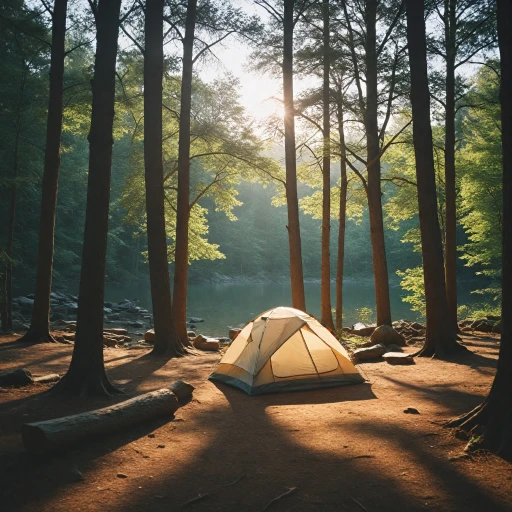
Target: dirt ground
(342,449)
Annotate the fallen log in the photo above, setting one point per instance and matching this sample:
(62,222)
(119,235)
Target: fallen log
(47,436)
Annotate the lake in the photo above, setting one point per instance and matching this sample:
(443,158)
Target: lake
(232,305)
(225,305)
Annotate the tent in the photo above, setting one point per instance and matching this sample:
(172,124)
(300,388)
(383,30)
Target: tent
(285,349)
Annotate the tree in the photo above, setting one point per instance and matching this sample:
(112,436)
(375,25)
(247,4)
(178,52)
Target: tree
(468,30)
(440,337)
(325,293)
(166,338)
(86,375)
(377,61)
(39,330)
(182,213)
(490,424)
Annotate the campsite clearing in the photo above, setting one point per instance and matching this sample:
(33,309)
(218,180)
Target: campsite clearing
(347,448)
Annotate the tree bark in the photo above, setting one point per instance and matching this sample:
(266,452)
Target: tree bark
(343,215)
(292,201)
(40,324)
(183,208)
(86,375)
(491,422)
(450,247)
(440,337)
(380,267)
(48,436)
(325,293)
(166,339)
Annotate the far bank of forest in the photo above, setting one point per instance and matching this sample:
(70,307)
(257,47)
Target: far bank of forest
(238,216)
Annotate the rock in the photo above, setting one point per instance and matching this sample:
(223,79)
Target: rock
(224,340)
(121,475)
(114,316)
(18,377)
(393,348)
(233,333)
(25,302)
(466,329)
(411,410)
(57,316)
(417,326)
(497,328)
(361,329)
(118,331)
(482,325)
(149,336)
(107,304)
(203,343)
(191,326)
(367,354)
(136,323)
(398,358)
(194,320)
(191,334)
(386,335)
(107,311)
(109,341)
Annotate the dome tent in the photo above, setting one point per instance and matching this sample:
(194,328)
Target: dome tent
(285,349)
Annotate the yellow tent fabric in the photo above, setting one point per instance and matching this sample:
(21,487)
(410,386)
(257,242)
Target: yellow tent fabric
(285,349)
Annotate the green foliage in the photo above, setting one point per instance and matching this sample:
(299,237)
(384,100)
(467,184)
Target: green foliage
(412,282)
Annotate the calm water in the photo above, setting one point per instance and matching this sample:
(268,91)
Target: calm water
(232,305)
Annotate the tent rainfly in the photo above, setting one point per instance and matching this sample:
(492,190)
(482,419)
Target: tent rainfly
(285,349)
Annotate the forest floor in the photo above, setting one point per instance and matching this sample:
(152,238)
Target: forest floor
(343,449)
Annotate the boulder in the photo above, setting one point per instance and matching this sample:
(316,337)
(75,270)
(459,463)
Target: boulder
(25,302)
(137,323)
(497,328)
(203,343)
(369,353)
(18,377)
(118,331)
(482,325)
(361,329)
(149,336)
(191,334)
(393,348)
(386,335)
(194,320)
(398,358)
(233,333)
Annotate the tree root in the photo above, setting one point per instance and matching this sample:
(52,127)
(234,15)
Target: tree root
(90,386)
(34,337)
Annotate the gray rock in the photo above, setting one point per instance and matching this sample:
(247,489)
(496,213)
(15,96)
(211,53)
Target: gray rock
(369,353)
(194,320)
(361,329)
(393,348)
(398,358)
(386,335)
(18,377)
(25,302)
(107,311)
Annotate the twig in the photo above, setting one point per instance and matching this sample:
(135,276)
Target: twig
(289,491)
(355,501)
(196,499)
(200,497)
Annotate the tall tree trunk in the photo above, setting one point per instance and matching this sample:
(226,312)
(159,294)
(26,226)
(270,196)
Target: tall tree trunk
(292,201)
(325,293)
(450,247)
(343,216)
(491,422)
(166,338)
(380,267)
(183,209)
(440,338)
(86,375)
(40,325)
